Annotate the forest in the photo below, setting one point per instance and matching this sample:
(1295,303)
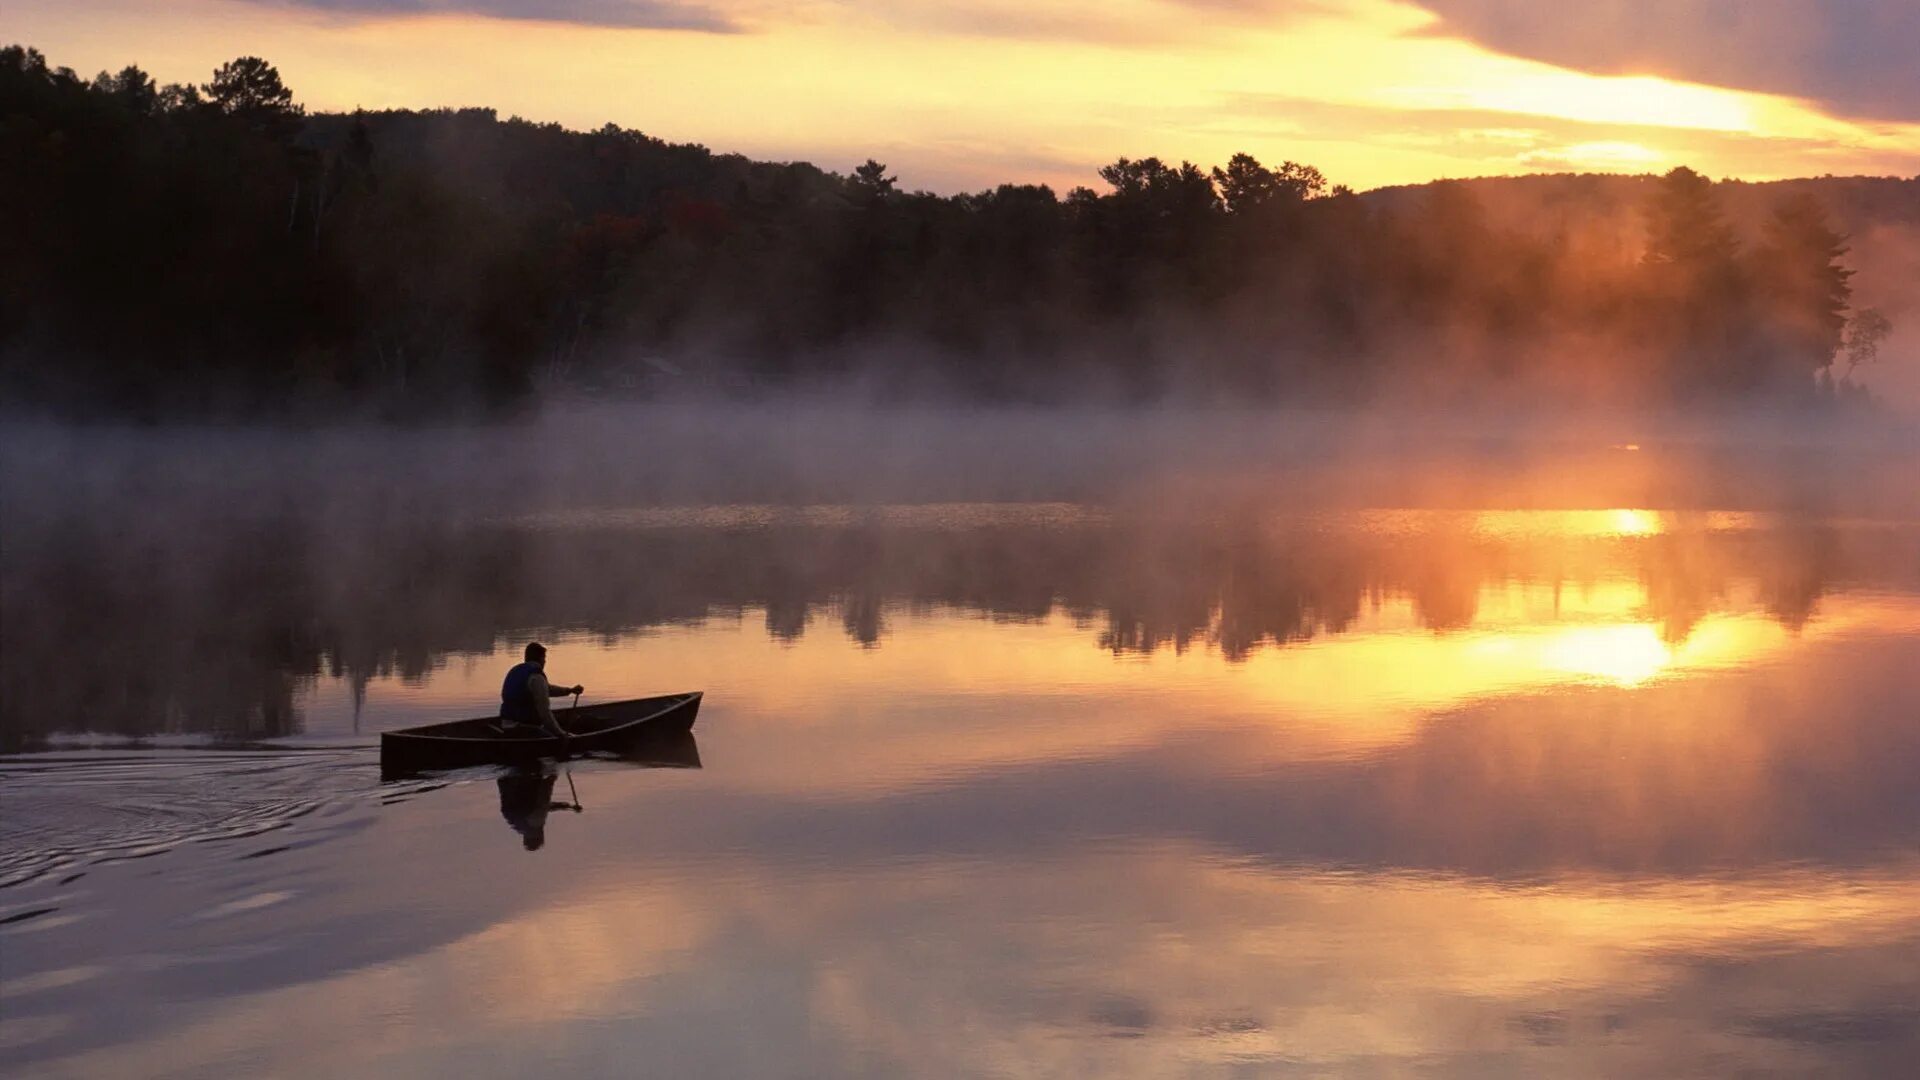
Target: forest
(216,250)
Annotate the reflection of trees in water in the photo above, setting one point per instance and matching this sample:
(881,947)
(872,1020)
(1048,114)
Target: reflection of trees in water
(214,628)
(1683,583)
(109,630)
(1688,575)
(1806,561)
(861,615)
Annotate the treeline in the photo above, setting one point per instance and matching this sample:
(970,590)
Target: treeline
(186,249)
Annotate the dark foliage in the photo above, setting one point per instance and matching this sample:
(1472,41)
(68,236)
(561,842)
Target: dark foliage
(179,250)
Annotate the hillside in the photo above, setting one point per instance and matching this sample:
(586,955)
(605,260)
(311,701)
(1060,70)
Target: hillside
(206,250)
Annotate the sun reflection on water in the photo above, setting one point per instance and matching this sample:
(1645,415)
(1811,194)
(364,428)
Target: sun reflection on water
(1568,524)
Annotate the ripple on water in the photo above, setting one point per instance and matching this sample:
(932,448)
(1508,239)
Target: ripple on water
(42,981)
(65,812)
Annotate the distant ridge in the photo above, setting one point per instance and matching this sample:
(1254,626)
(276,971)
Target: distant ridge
(1856,202)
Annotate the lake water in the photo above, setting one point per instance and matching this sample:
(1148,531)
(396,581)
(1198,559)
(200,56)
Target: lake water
(1604,765)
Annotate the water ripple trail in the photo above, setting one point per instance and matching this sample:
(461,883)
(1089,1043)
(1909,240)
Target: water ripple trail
(62,812)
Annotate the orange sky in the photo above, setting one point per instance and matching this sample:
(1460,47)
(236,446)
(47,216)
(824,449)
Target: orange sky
(959,94)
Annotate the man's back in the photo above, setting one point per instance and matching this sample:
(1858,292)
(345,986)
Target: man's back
(522,693)
(525,692)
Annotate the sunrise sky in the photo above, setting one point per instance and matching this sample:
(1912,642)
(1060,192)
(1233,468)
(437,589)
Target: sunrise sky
(962,94)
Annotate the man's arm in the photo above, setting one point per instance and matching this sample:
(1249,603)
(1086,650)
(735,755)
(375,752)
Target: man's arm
(539,690)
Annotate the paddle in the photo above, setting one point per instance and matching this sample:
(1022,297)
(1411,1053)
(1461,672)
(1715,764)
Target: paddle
(566,739)
(574,714)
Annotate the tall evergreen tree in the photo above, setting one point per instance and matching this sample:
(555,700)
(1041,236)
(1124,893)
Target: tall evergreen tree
(1801,289)
(1698,292)
(1686,228)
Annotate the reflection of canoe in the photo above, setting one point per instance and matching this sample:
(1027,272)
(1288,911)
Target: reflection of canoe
(613,727)
(674,748)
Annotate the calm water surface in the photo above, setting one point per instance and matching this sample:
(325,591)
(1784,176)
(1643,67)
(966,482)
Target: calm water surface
(1068,787)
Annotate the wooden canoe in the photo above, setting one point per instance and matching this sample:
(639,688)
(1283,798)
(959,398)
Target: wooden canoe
(609,727)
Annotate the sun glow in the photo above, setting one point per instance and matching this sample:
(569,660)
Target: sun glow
(1567,524)
(1636,523)
(1371,91)
(1606,156)
(1626,655)
(1640,100)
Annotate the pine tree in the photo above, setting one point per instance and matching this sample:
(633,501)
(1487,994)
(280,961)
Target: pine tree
(1698,294)
(1800,287)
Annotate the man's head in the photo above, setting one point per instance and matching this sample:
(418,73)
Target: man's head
(536,653)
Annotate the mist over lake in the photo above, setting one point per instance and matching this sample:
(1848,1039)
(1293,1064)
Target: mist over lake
(1102,741)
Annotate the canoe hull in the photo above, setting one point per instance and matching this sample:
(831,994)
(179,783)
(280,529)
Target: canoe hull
(618,727)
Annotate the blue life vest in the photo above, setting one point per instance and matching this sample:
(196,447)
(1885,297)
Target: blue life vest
(516,698)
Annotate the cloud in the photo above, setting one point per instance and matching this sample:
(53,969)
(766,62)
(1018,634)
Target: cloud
(1116,23)
(1856,58)
(1490,141)
(1140,24)
(1605,155)
(1097,26)
(620,14)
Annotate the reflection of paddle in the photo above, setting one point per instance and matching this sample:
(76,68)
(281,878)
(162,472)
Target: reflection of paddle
(566,754)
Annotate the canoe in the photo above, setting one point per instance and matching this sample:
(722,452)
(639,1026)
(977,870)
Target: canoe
(609,727)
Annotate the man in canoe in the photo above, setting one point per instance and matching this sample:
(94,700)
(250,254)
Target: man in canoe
(525,707)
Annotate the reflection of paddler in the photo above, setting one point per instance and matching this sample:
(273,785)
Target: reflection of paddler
(526,796)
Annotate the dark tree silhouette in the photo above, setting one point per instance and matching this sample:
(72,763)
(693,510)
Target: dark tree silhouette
(1801,287)
(871,183)
(181,251)
(250,89)
(130,88)
(1686,227)
(1867,330)
(1698,294)
(1246,186)
(1161,189)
